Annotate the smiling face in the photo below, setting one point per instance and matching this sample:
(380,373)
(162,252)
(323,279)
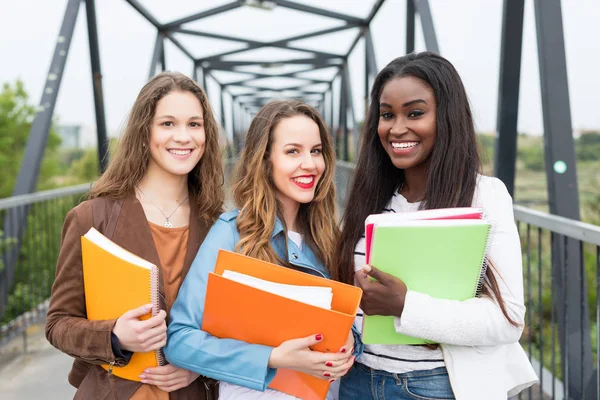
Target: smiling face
(177,135)
(407,122)
(297,160)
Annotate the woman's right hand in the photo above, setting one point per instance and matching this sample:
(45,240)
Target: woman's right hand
(141,336)
(296,354)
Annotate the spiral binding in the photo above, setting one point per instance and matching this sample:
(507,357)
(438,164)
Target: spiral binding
(485,259)
(155,300)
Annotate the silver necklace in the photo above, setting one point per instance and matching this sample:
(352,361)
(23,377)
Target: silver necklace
(167,223)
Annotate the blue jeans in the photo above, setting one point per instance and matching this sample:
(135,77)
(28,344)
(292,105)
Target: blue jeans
(364,383)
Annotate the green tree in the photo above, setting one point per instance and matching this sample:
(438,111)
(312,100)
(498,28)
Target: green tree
(587,146)
(16,117)
(86,168)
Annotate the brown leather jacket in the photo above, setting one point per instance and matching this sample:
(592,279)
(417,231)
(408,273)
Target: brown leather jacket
(89,342)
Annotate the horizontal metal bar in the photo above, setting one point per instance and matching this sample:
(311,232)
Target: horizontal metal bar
(263,76)
(294,74)
(231,64)
(26,199)
(295,87)
(211,35)
(203,14)
(563,226)
(268,93)
(318,11)
(318,33)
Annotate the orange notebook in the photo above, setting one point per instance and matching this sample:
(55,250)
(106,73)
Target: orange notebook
(117,281)
(231,310)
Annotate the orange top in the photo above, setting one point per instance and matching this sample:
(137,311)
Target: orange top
(171,245)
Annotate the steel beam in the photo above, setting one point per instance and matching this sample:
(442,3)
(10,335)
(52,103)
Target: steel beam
(195,73)
(234,142)
(283,43)
(343,126)
(370,65)
(295,87)
(156,54)
(262,76)
(505,153)
(163,59)
(349,106)
(563,196)
(145,13)
(204,85)
(178,44)
(90,8)
(223,117)
(268,63)
(319,11)
(374,11)
(15,222)
(204,14)
(431,42)
(267,93)
(331,116)
(410,26)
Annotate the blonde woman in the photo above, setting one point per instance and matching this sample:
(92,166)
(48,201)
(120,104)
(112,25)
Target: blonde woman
(285,196)
(159,196)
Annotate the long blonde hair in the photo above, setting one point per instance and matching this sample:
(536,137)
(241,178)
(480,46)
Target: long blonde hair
(130,161)
(254,190)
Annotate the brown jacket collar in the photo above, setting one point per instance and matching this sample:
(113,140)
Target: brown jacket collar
(133,233)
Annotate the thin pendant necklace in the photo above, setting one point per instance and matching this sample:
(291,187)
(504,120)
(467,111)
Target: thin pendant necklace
(167,223)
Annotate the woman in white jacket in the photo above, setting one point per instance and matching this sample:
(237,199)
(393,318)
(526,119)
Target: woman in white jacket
(419,151)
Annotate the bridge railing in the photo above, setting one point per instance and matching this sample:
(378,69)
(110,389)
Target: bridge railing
(562,347)
(25,292)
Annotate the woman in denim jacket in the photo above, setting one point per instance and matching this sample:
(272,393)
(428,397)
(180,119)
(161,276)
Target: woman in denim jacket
(285,196)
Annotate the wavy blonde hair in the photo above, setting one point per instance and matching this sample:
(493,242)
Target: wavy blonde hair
(254,190)
(130,162)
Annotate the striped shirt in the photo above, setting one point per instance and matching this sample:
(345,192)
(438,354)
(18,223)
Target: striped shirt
(394,358)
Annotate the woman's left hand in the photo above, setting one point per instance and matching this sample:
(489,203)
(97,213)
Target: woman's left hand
(385,296)
(168,378)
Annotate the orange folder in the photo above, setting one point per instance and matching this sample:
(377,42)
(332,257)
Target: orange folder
(237,311)
(116,281)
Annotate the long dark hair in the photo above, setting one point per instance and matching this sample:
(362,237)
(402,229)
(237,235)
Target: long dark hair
(454,163)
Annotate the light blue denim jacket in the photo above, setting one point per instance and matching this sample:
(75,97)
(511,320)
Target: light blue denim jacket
(228,360)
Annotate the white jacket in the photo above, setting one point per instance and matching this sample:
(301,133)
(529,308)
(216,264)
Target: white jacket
(480,347)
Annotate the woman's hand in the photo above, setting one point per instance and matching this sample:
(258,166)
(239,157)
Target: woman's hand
(168,378)
(296,354)
(141,336)
(382,297)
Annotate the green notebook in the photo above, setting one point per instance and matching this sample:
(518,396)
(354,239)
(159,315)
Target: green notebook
(442,258)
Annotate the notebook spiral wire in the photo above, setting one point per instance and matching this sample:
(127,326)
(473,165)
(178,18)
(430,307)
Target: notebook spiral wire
(485,257)
(155,299)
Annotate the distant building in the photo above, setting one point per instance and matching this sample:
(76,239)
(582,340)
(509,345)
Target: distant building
(77,136)
(70,136)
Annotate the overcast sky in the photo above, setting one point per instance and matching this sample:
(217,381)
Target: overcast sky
(468,33)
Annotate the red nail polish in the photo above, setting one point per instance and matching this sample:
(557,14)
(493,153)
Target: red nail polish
(319,337)
(326,374)
(329,364)
(344,350)
(331,380)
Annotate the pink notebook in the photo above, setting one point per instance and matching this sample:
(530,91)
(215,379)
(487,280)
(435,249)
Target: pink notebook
(440,213)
